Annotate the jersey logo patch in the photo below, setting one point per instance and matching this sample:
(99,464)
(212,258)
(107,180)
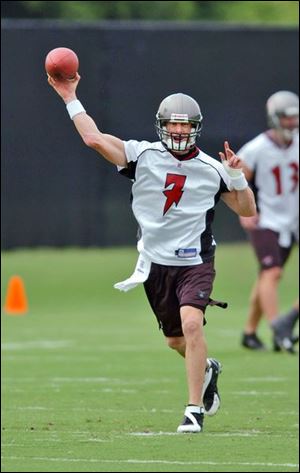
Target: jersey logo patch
(174,194)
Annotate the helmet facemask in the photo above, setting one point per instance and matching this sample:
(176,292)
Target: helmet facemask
(178,108)
(288,134)
(177,141)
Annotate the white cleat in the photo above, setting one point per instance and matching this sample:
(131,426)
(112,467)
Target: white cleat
(192,421)
(210,394)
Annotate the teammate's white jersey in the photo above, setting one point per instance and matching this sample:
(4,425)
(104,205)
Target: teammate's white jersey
(173,201)
(276,176)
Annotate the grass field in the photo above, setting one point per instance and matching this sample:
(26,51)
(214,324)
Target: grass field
(88,384)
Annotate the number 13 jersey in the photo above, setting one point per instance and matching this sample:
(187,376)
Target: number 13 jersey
(276,179)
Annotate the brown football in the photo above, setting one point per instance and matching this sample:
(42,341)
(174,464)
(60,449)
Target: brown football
(62,63)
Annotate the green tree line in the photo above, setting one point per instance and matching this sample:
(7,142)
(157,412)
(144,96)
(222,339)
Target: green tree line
(268,12)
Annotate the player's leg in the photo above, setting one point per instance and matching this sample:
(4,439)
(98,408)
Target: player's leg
(287,322)
(249,336)
(264,297)
(177,344)
(210,395)
(194,286)
(163,299)
(165,303)
(195,361)
(268,292)
(195,351)
(283,328)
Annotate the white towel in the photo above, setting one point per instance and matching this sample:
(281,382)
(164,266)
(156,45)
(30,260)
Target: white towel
(285,238)
(140,274)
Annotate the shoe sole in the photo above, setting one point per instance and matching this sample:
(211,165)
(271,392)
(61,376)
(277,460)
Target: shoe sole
(216,402)
(189,429)
(251,347)
(215,406)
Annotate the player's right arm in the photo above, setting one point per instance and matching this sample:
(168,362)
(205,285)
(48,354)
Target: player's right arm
(110,147)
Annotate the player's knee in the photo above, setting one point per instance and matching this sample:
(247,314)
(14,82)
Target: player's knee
(174,342)
(273,274)
(190,327)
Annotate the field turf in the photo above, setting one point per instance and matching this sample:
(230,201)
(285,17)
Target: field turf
(88,384)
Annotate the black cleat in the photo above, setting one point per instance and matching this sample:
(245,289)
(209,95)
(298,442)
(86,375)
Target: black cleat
(252,342)
(285,343)
(192,421)
(210,394)
(283,338)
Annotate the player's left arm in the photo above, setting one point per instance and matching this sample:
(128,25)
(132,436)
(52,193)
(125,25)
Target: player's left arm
(241,198)
(241,202)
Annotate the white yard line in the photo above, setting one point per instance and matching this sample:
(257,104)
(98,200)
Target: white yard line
(36,344)
(265,379)
(45,344)
(96,379)
(250,433)
(259,393)
(157,462)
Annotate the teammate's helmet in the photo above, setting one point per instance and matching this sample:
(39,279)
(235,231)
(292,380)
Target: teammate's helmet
(178,108)
(282,104)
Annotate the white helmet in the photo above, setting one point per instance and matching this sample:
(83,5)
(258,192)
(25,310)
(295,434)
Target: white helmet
(178,108)
(282,104)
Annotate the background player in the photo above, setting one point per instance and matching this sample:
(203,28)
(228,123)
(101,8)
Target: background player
(271,163)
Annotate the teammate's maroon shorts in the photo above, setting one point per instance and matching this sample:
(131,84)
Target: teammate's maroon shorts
(268,251)
(170,287)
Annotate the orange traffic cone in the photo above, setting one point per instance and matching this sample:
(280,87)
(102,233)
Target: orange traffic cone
(16,300)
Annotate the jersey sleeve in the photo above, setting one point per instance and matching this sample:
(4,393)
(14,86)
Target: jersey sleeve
(133,149)
(225,184)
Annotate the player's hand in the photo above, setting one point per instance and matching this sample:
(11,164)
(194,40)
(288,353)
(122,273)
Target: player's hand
(233,166)
(66,89)
(230,159)
(249,223)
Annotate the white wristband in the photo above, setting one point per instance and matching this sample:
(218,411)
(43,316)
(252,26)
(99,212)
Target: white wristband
(237,177)
(239,183)
(232,172)
(74,108)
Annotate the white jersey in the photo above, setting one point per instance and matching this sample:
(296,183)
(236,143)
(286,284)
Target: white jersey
(276,176)
(173,202)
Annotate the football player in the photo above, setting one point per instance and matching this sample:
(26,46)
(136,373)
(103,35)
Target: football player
(271,164)
(175,189)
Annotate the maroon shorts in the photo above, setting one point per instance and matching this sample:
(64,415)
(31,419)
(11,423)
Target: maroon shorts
(170,287)
(268,251)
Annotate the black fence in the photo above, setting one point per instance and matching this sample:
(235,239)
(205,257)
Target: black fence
(58,192)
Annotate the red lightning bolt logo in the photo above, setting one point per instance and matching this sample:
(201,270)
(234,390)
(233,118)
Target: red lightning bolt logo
(173,195)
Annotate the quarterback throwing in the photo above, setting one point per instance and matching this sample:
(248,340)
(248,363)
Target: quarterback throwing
(175,189)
